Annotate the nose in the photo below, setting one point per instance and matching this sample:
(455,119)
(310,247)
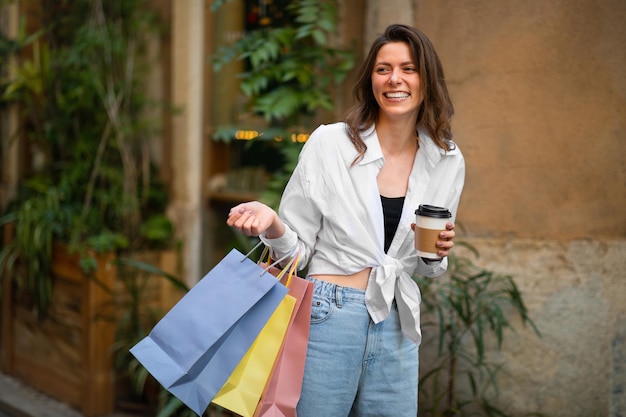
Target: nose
(394,77)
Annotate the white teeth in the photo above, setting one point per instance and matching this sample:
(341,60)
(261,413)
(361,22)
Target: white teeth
(396,95)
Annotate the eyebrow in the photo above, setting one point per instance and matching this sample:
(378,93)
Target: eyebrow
(401,64)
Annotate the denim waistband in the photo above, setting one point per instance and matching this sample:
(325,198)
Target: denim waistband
(337,292)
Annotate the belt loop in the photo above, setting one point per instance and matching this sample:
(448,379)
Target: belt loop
(338,296)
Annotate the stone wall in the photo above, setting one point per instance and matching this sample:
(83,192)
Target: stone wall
(576,297)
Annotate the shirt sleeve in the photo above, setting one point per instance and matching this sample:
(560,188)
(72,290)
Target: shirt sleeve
(300,213)
(454,182)
(457,189)
(432,269)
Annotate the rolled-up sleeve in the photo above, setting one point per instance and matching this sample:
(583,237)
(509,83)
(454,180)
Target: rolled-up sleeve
(431,270)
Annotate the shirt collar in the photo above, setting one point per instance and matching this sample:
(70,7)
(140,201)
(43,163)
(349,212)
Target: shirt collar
(373,152)
(433,152)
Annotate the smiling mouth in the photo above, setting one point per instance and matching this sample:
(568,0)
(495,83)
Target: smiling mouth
(396,95)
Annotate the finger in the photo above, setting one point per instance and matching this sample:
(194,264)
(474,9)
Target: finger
(240,208)
(250,225)
(235,213)
(245,225)
(233,217)
(243,221)
(445,246)
(449,235)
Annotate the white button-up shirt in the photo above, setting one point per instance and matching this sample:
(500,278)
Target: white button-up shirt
(334,217)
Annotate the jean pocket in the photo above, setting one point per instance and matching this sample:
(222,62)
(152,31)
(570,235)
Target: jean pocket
(321,308)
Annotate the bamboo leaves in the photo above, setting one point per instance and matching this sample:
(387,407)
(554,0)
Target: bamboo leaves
(32,246)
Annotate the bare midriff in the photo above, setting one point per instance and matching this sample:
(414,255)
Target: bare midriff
(358,280)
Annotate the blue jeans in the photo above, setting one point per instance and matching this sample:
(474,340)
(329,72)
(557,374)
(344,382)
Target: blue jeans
(355,368)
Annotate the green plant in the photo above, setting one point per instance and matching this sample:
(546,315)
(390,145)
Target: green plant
(9,47)
(291,68)
(467,310)
(292,72)
(82,101)
(32,245)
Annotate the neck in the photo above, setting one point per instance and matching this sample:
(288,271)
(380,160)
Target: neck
(397,136)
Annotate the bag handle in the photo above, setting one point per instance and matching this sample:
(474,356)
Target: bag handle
(265,253)
(290,268)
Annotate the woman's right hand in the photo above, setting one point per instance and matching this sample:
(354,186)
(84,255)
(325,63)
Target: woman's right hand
(254,218)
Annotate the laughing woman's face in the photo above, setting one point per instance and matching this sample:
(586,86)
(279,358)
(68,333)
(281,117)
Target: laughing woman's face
(396,83)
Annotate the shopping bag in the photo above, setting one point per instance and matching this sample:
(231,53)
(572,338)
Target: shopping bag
(196,346)
(242,392)
(282,392)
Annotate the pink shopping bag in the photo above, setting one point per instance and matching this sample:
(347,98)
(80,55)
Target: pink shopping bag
(282,392)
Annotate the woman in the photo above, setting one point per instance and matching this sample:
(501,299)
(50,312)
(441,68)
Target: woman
(348,210)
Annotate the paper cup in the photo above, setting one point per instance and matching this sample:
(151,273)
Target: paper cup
(429,222)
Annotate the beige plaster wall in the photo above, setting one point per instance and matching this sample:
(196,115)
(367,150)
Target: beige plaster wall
(540,92)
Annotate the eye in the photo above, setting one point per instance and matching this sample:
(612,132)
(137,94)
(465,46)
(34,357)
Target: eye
(381,70)
(410,69)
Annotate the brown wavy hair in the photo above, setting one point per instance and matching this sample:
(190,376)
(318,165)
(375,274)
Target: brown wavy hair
(436,109)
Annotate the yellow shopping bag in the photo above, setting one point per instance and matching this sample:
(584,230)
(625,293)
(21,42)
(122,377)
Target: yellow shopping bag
(243,390)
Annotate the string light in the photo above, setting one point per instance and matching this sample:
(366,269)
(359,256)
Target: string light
(253,134)
(246,134)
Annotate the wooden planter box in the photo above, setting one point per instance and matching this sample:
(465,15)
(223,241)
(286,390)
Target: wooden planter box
(158,293)
(67,355)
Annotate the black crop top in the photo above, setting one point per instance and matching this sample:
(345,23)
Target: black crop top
(392,211)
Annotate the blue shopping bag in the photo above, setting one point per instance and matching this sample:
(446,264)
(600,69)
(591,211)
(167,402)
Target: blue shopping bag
(195,347)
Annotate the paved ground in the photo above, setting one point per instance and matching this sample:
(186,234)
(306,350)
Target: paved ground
(6,411)
(20,400)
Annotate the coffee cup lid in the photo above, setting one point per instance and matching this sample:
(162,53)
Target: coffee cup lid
(433,211)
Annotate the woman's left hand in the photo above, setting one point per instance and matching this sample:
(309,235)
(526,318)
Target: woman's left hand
(445,243)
